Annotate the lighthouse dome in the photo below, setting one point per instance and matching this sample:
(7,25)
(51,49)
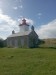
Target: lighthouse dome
(24,26)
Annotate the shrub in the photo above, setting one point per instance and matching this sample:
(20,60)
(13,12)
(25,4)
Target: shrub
(1,43)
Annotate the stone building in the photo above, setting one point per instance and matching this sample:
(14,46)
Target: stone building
(24,38)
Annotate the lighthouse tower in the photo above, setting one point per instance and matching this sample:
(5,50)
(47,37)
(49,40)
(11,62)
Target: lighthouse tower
(24,26)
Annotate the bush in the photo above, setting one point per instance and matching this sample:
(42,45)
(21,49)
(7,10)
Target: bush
(1,43)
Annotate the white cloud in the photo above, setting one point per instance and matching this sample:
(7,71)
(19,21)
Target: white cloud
(48,30)
(19,5)
(7,19)
(7,24)
(39,14)
(15,8)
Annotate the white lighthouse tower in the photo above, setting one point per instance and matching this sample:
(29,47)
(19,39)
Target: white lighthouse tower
(24,26)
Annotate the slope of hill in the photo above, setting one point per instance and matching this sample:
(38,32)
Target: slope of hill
(49,43)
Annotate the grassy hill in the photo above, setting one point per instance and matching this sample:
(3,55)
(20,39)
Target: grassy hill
(37,61)
(49,43)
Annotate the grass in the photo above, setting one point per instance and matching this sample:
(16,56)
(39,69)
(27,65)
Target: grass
(37,61)
(49,43)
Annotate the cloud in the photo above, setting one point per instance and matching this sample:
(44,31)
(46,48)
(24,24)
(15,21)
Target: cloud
(7,19)
(15,8)
(19,5)
(7,24)
(39,14)
(48,30)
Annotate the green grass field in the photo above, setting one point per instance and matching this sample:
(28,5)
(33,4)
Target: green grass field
(38,61)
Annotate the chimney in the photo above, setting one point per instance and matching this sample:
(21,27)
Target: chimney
(32,28)
(13,32)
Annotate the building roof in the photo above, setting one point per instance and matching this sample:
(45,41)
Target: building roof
(20,34)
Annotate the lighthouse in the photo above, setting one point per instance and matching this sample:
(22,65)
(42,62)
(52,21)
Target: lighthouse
(24,38)
(24,26)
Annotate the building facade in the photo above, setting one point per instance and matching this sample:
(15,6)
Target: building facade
(24,38)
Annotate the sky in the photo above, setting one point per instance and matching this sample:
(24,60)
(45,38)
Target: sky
(40,13)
